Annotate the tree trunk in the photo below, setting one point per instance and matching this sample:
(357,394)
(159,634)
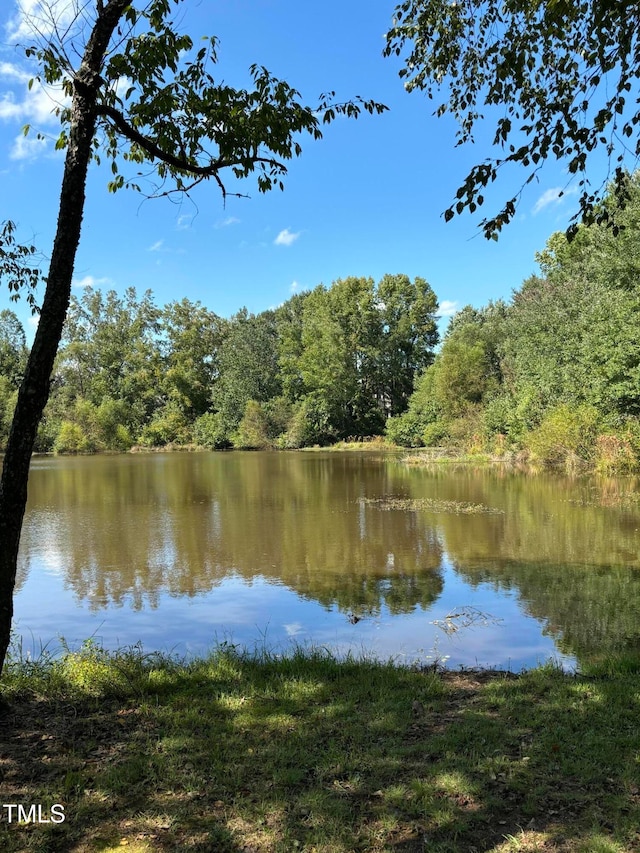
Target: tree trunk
(34,391)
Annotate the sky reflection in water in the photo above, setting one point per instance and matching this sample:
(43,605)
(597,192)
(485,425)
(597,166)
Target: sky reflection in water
(182,551)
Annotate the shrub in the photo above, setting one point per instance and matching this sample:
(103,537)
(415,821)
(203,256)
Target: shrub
(565,437)
(209,430)
(503,416)
(466,431)
(278,412)
(71,439)
(631,433)
(48,431)
(8,397)
(111,419)
(168,426)
(85,414)
(253,429)
(435,434)
(122,440)
(405,430)
(310,424)
(614,454)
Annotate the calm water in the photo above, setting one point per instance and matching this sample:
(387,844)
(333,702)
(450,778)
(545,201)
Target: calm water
(353,551)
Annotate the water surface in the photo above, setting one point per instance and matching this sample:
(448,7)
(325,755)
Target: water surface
(349,550)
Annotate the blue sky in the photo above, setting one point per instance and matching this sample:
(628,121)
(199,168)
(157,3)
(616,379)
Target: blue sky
(366,200)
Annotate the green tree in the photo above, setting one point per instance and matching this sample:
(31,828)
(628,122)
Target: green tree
(18,272)
(174,120)
(13,347)
(573,336)
(17,268)
(546,324)
(253,429)
(557,76)
(290,321)
(360,346)
(466,372)
(192,339)
(409,335)
(248,366)
(599,273)
(408,428)
(337,359)
(353,305)
(110,349)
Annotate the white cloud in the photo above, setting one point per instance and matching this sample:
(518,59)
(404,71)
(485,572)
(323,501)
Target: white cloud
(27,148)
(294,286)
(555,195)
(447,308)
(184,222)
(38,105)
(34,20)
(225,223)
(40,17)
(35,106)
(7,69)
(90,281)
(33,320)
(122,86)
(8,107)
(550,196)
(159,246)
(286,238)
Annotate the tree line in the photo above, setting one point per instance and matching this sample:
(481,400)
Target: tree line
(554,375)
(330,363)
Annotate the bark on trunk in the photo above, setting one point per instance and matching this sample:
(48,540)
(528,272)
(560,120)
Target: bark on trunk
(34,391)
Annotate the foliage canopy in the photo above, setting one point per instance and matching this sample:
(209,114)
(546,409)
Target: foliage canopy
(159,107)
(560,76)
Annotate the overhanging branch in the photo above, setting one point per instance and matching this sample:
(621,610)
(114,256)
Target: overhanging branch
(179,163)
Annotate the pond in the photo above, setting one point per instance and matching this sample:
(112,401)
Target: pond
(353,551)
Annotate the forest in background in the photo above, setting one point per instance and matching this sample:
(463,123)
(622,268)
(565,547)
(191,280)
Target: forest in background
(328,364)
(553,376)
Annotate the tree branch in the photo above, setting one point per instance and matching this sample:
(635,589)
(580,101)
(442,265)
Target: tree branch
(180,163)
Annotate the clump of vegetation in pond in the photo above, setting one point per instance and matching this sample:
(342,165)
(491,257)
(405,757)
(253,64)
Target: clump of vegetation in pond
(307,752)
(429,505)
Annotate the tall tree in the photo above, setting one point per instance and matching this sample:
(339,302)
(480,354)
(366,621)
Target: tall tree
(559,73)
(13,347)
(289,320)
(193,338)
(336,351)
(248,364)
(172,118)
(409,334)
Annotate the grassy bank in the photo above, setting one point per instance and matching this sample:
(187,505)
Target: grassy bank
(454,456)
(373,442)
(237,753)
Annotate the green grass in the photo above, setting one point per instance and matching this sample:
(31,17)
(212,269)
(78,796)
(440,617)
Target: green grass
(441,457)
(306,753)
(371,442)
